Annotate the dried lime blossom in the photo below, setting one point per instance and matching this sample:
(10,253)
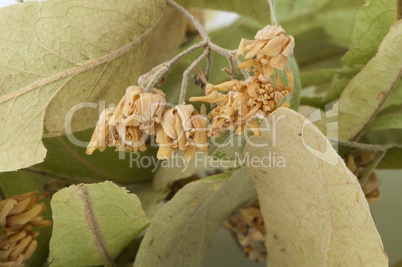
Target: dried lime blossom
(358,164)
(271,49)
(248,227)
(245,100)
(128,125)
(183,128)
(18,216)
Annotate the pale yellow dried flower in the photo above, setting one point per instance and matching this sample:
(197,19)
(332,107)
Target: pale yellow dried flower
(183,128)
(18,216)
(128,125)
(270,49)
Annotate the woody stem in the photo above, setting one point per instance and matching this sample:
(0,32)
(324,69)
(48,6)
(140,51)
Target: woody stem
(166,67)
(186,74)
(197,25)
(371,167)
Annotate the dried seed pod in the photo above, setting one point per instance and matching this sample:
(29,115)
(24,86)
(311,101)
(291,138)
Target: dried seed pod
(271,49)
(18,216)
(181,128)
(128,125)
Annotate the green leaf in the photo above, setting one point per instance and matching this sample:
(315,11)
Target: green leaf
(172,30)
(68,160)
(15,183)
(314,210)
(93,223)
(391,160)
(183,229)
(77,52)
(364,95)
(150,198)
(390,117)
(373,22)
(338,24)
(176,168)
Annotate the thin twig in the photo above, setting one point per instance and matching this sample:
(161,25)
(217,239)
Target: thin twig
(208,68)
(166,67)
(372,167)
(197,25)
(233,71)
(271,4)
(230,55)
(362,146)
(186,74)
(399,9)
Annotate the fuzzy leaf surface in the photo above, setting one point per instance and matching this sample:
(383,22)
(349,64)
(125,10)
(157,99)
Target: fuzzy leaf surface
(314,209)
(93,223)
(56,54)
(183,229)
(367,91)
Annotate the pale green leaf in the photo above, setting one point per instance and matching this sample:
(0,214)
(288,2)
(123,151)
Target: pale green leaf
(364,95)
(68,160)
(176,168)
(172,30)
(56,54)
(314,210)
(150,198)
(183,229)
(93,223)
(373,22)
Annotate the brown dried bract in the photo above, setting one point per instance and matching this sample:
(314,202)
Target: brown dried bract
(181,128)
(18,216)
(128,125)
(271,49)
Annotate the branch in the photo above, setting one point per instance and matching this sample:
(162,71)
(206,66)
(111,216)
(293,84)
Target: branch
(371,167)
(186,73)
(368,147)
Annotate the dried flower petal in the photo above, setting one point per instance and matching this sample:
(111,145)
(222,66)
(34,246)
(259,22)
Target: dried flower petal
(271,49)
(18,215)
(181,128)
(128,125)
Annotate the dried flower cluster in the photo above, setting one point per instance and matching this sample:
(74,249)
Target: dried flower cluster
(245,100)
(139,115)
(181,128)
(358,164)
(238,103)
(271,49)
(128,125)
(18,216)
(248,226)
